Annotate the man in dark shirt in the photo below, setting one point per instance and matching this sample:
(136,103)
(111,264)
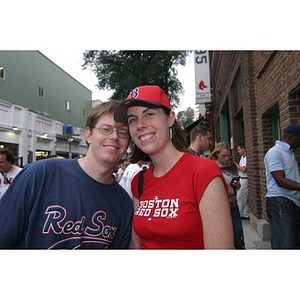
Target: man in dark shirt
(72,203)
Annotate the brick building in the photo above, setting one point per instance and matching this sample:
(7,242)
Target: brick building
(255,94)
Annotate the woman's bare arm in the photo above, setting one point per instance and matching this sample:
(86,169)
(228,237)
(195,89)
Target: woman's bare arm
(216,217)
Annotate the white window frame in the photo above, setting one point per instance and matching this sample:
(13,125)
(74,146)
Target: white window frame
(2,72)
(67,105)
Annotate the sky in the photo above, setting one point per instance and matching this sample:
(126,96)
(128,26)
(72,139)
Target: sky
(71,62)
(62,30)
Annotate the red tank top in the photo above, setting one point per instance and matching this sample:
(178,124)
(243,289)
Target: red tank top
(168,215)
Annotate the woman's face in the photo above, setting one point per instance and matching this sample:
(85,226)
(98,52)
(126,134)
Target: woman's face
(149,128)
(224,157)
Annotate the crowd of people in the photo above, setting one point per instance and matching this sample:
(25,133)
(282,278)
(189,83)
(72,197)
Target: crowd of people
(170,194)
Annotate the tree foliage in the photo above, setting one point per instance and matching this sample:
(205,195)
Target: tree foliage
(186,117)
(121,71)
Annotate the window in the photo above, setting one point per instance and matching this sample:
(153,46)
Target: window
(237,92)
(225,122)
(2,72)
(67,105)
(41,92)
(271,125)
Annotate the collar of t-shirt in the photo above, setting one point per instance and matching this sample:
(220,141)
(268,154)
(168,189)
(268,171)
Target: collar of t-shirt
(283,145)
(194,152)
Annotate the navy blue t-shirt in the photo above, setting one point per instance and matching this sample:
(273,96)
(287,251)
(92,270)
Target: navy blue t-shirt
(54,204)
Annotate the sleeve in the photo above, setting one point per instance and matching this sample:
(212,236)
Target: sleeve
(14,212)
(274,161)
(124,235)
(245,162)
(205,173)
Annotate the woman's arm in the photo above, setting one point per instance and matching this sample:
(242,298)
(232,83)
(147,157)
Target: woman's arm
(216,218)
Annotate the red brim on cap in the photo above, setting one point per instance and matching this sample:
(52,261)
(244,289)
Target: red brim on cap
(120,114)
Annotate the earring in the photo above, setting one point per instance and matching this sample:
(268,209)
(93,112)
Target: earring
(171,132)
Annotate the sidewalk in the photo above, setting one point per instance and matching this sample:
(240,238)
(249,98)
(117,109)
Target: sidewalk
(252,239)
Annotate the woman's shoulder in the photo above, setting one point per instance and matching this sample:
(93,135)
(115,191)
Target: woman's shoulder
(199,162)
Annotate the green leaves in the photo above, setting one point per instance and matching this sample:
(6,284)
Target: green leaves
(121,71)
(186,117)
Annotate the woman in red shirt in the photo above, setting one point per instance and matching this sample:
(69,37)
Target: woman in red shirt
(183,203)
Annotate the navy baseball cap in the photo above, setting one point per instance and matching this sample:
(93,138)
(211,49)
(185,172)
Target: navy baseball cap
(146,95)
(292,129)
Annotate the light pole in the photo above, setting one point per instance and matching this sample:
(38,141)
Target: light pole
(70,139)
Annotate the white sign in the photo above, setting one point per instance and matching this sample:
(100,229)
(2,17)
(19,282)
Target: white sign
(202,77)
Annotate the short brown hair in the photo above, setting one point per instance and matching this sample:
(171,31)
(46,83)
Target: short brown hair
(199,129)
(100,110)
(9,155)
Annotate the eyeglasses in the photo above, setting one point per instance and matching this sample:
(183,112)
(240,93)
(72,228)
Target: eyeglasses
(108,130)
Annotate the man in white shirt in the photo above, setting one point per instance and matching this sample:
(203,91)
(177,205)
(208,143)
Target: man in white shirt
(242,193)
(130,171)
(8,171)
(283,190)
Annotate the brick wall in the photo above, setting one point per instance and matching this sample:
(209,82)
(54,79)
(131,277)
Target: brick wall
(268,79)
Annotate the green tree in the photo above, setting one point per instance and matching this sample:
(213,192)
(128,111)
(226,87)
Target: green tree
(186,117)
(121,71)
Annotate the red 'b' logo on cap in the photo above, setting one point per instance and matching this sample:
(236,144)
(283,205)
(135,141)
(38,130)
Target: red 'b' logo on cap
(134,93)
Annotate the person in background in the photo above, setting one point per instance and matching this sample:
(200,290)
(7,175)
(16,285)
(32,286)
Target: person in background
(8,170)
(119,171)
(123,167)
(201,140)
(180,202)
(242,193)
(72,203)
(283,190)
(131,170)
(221,155)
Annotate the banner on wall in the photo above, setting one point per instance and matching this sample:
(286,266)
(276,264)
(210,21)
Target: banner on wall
(202,77)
